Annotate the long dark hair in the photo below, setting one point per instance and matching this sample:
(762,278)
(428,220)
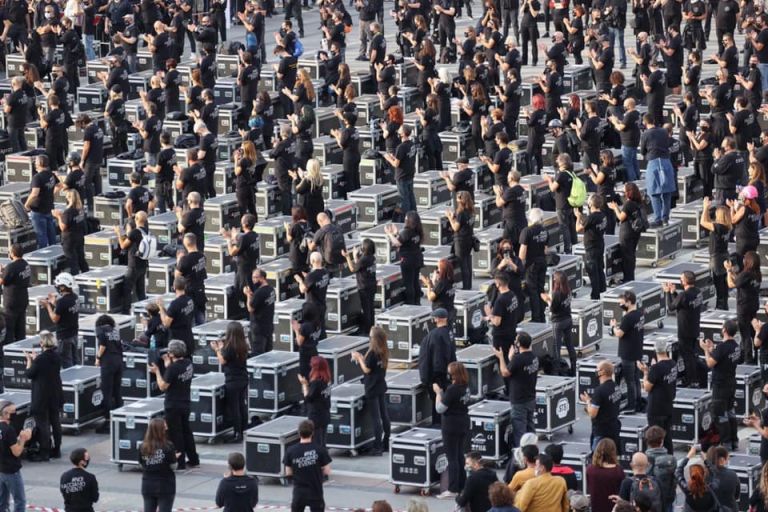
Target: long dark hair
(413,221)
(560,283)
(368,247)
(752,264)
(235,338)
(378,345)
(156,437)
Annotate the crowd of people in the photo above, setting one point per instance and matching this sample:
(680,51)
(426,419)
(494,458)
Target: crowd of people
(608,157)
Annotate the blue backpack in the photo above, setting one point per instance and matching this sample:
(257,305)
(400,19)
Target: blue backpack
(298,49)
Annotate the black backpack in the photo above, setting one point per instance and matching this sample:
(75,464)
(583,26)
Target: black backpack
(649,486)
(333,244)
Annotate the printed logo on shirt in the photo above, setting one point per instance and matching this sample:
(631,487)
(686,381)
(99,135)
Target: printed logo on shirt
(74,486)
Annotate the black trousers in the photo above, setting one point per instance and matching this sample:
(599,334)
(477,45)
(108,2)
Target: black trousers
(300,503)
(721,290)
(158,502)
(48,422)
(568,227)
(664,422)
(465,263)
(260,343)
(15,325)
(530,35)
(236,394)
(535,275)
(368,314)
(293,10)
(594,264)
(380,417)
(411,283)
(723,397)
(111,380)
(628,257)
(76,257)
(181,436)
(454,444)
(135,280)
(687,347)
(744,319)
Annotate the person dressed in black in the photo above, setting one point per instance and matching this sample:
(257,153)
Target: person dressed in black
(54,122)
(178,318)
(561,186)
(135,277)
(244,247)
(348,139)
(72,225)
(261,299)
(631,226)
(297,232)
(316,388)
(192,219)
(593,226)
(603,406)
(374,364)
(630,330)
(237,491)
(521,373)
(503,314)
(63,308)
(512,200)
(109,358)
(440,290)
(462,223)
(747,284)
(43,370)
(452,402)
(314,285)
(176,383)
(688,306)
(139,199)
(660,382)
(530,30)
(191,265)
(533,247)
(307,463)
(283,155)
(560,316)
(15,278)
(78,487)
(16,107)
(232,354)
(408,240)
(654,86)
(722,359)
(307,334)
(362,263)
(158,461)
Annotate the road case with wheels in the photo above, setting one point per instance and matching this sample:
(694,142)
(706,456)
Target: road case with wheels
(660,243)
(102,289)
(408,401)
(274,383)
(337,350)
(555,404)
(417,459)
(631,438)
(483,369)
(207,417)
(351,425)
(587,316)
(407,327)
(650,298)
(691,415)
(489,424)
(128,427)
(266,444)
(82,397)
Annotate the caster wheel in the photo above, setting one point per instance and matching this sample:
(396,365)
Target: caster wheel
(397,489)
(353,453)
(76,432)
(424,492)
(673,256)
(570,429)
(211,440)
(597,346)
(283,482)
(119,468)
(653,265)
(660,324)
(579,354)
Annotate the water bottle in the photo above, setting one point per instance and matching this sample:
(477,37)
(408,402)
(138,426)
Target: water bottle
(152,342)
(373,135)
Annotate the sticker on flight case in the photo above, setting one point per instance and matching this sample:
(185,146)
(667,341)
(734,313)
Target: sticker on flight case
(756,395)
(592,327)
(441,464)
(706,421)
(563,408)
(97,398)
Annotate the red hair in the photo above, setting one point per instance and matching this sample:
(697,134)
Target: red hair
(319,369)
(395,114)
(445,269)
(697,482)
(538,102)
(575,101)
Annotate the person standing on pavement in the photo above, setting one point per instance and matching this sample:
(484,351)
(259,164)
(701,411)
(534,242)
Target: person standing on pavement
(40,202)
(452,403)
(158,460)
(660,382)
(522,372)
(237,491)
(260,302)
(316,389)
(11,449)
(560,186)
(176,383)
(78,487)
(534,240)
(15,279)
(603,406)
(560,316)
(502,314)
(630,331)
(191,266)
(659,176)
(437,351)
(232,354)
(374,365)
(63,308)
(178,318)
(594,226)
(307,464)
(404,162)
(688,305)
(44,372)
(135,283)
(722,359)
(723,480)
(109,357)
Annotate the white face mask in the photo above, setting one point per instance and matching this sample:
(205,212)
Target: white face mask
(49,15)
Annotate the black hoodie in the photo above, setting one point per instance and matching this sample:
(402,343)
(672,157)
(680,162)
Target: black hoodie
(238,493)
(475,494)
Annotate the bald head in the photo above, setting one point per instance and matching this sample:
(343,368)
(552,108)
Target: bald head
(639,463)
(316,260)
(323,219)
(141,218)
(605,368)
(559,37)
(194,199)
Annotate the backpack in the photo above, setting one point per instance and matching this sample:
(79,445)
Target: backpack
(578,195)
(649,486)
(13,214)
(298,48)
(147,247)
(333,244)
(662,468)
(640,222)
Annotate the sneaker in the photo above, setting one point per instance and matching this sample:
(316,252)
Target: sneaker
(193,56)
(446,495)
(362,58)
(655,224)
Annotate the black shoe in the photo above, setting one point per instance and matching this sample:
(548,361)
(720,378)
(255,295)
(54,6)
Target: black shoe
(56,454)
(385,444)
(39,457)
(376,452)
(237,438)
(181,466)
(103,428)
(655,224)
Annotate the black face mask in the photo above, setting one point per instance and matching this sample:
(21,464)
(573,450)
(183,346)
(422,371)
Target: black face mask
(85,463)
(624,307)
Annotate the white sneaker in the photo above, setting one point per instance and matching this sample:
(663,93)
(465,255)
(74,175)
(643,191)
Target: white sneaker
(193,56)
(446,495)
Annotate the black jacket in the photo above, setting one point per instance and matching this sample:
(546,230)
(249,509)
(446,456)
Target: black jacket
(80,490)
(475,493)
(437,351)
(45,374)
(238,493)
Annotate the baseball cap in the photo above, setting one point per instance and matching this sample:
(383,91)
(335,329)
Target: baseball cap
(462,160)
(749,192)
(440,313)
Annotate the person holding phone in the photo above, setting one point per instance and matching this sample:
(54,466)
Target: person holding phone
(362,263)
(440,290)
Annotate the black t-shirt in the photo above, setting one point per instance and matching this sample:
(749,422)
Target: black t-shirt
(630,135)
(67,309)
(565,181)
(16,281)
(109,338)
(506,306)
(192,268)
(306,461)
(688,306)
(727,355)
(18,103)
(747,292)
(263,305)
(375,381)
(153,126)
(181,310)
(140,198)
(365,272)
(607,398)
(560,308)
(445,295)
(208,143)
(406,155)
(9,463)
(75,180)
(248,252)
(514,204)
(193,221)
(235,369)
(158,477)
(410,246)
(166,160)
(504,158)
(524,370)
(95,136)
(75,232)
(80,490)
(631,344)
(535,238)
(135,236)
(45,181)
(317,287)
(56,120)
(456,400)
(193,179)
(594,232)
(663,376)
(179,376)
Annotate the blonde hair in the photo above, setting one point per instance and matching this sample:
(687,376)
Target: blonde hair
(314,175)
(306,80)
(249,151)
(47,339)
(723,216)
(73,199)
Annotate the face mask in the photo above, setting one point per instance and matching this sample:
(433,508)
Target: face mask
(624,307)
(49,16)
(85,463)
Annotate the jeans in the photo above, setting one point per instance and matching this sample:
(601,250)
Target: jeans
(151,158)
(236,394)
(407,197)
(180,433)
(68,350)
(12,485)
(199,316)
(45,229)
(661,204)
(380,417)
(510,15)
(158,503)
(522,420)
(632,378)
(629,157)
(88,43)
(620,33)
(763,75)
